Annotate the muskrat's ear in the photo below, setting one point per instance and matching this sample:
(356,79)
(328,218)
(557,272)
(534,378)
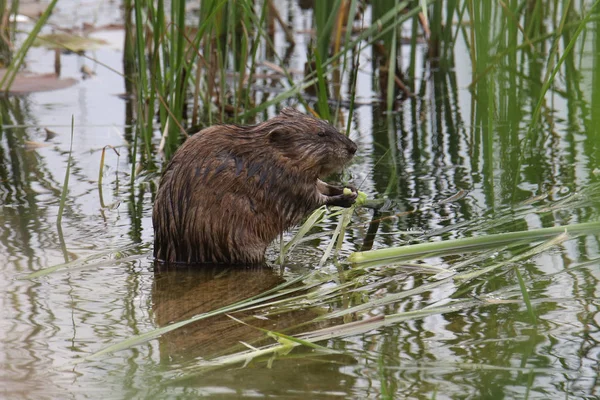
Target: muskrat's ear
(278,136)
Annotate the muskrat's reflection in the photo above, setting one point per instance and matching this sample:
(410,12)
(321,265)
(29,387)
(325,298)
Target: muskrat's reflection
(180,293)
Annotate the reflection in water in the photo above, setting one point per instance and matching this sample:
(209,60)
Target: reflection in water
(305,378)
(23,180)
(179,293)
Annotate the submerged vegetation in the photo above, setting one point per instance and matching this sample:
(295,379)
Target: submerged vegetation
(470,195)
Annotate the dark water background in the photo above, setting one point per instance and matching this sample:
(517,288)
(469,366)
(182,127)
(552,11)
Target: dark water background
(436,145)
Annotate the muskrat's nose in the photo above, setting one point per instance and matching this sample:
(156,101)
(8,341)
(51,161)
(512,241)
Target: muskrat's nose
(352,148)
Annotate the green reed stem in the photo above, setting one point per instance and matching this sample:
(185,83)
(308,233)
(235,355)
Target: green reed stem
(65,188)
(391,66)
(525,294)
(471,243)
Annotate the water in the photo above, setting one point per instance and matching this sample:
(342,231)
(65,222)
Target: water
(487,347)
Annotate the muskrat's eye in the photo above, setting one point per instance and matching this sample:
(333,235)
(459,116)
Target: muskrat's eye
(321,133)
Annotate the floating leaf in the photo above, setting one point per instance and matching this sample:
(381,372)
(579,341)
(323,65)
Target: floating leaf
(32,9)
(68,41)
(30,83)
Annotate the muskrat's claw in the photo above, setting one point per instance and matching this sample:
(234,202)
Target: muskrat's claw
(342,200)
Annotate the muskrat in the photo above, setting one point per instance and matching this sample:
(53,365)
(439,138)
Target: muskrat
(230,190)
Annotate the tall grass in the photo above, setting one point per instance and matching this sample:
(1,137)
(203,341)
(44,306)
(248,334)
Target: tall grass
(18,58)
(193,72)
(65,188)
(5,33)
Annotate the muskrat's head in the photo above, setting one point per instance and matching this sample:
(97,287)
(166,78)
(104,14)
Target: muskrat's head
(309,144)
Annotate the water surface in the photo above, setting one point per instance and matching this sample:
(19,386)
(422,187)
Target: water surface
(437,145)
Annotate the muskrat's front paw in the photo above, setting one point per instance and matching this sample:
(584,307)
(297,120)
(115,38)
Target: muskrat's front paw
(346,199)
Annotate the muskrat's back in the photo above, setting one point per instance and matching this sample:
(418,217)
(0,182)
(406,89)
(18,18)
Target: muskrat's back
(230,190)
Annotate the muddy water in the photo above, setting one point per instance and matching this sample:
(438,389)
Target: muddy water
(112,292)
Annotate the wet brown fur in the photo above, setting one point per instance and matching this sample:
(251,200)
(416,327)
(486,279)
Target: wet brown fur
(230,190)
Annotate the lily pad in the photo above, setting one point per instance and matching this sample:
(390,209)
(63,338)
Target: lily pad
(30,83)
(32,9)
(68,41)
